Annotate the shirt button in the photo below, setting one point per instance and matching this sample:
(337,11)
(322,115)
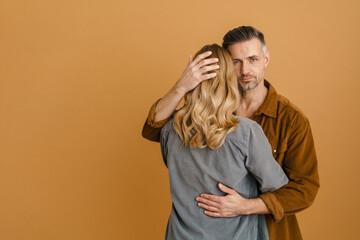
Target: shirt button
(275,150)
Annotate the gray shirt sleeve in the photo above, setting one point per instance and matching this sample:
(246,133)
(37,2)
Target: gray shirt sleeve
(163,141)
(260,161)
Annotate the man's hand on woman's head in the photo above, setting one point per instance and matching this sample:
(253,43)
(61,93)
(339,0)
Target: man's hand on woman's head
(198,70)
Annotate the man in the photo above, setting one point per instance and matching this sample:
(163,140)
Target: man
(286,127)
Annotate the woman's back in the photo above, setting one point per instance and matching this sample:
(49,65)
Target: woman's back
(244,163)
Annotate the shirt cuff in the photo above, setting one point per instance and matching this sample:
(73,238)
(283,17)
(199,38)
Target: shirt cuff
(274,206)
(150,119)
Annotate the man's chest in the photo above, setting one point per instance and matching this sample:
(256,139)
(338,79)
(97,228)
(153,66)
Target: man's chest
(278,133)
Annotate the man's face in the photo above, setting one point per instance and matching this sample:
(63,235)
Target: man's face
(250,63)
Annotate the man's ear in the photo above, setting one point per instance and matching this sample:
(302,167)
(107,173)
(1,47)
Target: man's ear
(267,58)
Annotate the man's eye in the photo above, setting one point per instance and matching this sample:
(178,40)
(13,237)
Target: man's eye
(236,61)
(253,59)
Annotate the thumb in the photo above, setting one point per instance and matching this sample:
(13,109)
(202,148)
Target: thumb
(190,59)
(225,189)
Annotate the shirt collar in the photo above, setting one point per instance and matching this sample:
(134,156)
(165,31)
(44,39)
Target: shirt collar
(269,106)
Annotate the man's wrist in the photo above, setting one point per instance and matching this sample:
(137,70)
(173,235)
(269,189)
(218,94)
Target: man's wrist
(256,206)
(167,105)
(178,91)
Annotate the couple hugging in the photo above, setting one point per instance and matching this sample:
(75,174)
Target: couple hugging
(241,157)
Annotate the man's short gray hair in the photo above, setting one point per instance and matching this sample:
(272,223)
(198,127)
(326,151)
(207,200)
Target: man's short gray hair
(242,34)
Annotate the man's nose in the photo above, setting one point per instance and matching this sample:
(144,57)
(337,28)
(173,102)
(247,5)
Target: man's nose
(244,68)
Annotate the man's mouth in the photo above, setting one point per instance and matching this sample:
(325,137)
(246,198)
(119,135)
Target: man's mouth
(246,78)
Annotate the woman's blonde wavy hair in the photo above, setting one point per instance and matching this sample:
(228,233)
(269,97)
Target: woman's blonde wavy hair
(207,115)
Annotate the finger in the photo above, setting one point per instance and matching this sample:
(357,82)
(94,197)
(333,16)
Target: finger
(208,76)
(209,197)
(209,68)
(225,189)
(212,214)
(202,56)
(190,59)
(207,207)
(206,62)
(207,202)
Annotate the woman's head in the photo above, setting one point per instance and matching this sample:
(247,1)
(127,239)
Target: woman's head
(207,115)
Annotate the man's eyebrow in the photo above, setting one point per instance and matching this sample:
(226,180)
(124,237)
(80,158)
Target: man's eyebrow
(252,56)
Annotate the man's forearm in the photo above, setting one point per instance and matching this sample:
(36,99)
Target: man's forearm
(257,206)
(167,105)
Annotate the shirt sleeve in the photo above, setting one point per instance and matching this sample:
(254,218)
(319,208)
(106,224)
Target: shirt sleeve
(300,165)
(260,161)
(151,129)
(163,145)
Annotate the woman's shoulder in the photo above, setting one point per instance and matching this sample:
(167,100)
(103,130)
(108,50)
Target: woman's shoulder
(169,126)
(246,124)
(244,129)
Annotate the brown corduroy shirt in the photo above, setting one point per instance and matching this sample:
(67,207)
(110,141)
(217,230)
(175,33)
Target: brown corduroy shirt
(289,134)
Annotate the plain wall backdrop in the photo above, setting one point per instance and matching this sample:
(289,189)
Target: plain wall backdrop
(77,78)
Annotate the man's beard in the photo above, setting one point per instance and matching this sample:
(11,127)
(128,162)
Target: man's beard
(250,85)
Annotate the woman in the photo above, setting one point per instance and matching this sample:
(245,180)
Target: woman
(205,144)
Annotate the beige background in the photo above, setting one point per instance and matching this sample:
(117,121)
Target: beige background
(77,78)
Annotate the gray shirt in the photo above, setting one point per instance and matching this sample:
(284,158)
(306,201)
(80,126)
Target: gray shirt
(244,163)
